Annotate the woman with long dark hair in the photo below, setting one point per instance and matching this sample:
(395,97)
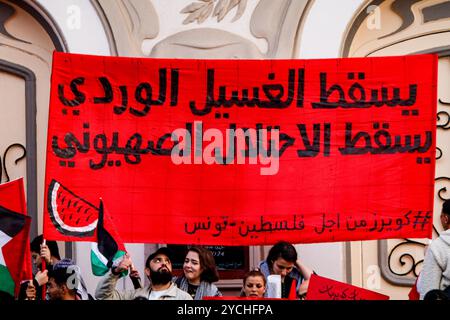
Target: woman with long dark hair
(282,260)
(199,273)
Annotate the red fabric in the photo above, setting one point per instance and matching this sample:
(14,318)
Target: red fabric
(413,293)
(12,196)
(293,290)
(321,288)
(110,228)
(17,250)
(319,194)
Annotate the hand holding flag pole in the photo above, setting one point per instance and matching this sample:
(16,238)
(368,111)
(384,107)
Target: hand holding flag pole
(43,268)
(30,292)
(125,265)
(135,277)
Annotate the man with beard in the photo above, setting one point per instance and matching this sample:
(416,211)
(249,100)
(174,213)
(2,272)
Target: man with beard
(158,269)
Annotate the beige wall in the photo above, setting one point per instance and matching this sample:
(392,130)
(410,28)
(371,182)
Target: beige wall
(31,48)
(394,28)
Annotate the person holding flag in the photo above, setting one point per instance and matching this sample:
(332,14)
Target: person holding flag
(109,250)
(158,268)
(43,253)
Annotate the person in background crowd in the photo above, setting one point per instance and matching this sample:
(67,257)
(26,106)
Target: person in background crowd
(435,274)
(254,284)
(282,259)
(199,273)
(436,295)
(158,268)
(47,252)
(65,282)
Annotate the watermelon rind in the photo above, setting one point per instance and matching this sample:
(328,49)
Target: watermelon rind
(63,228)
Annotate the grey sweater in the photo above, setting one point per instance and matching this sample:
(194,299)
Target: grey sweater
(106,291)
(436,267)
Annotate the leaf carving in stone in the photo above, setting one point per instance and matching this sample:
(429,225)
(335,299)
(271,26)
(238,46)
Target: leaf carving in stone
(200,11)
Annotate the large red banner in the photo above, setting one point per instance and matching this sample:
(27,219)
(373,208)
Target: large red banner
(241,152)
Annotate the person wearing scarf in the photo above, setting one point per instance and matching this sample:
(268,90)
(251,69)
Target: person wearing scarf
(199,273)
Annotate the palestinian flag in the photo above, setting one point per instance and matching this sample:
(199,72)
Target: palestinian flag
(108,249)
(14,242)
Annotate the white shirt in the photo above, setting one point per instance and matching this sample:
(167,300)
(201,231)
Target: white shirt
(156,295)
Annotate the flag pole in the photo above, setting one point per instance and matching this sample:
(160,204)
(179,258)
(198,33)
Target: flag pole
(43,268)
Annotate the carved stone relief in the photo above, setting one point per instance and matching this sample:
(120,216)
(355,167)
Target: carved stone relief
(200,11)
(130,22)
(127,23)
(399,21)
(206,43)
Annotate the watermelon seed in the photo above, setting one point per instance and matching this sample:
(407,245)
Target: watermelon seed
(89,216)
(78,221)
(86,210)
(75,204)
(63,199)
(68,205)
(78,210)
(70,218)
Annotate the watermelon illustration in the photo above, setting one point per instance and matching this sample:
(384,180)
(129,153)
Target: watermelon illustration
(71,214)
